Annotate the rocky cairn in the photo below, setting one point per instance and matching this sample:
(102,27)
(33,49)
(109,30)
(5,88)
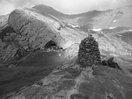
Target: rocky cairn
(89,53)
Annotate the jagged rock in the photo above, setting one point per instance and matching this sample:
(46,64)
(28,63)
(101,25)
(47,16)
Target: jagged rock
(110,62)
(89,53)
(8,45)
(7,52)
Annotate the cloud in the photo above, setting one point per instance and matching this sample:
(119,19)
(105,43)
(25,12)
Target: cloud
(65,6)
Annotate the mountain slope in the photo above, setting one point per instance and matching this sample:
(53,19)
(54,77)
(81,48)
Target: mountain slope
(95,19)
(114,18)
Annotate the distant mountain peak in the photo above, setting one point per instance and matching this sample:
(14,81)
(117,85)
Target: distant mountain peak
(44,9)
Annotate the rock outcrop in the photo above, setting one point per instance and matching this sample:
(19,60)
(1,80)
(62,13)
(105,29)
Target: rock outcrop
(111,63)
(89,53)
(8,46)
(27,30)
(7,52)
(36,30)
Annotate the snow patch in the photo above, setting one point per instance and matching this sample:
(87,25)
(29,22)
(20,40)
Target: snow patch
(74,26)
(99,29)
(112,27)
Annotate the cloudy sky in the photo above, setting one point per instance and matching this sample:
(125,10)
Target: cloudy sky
(65,6)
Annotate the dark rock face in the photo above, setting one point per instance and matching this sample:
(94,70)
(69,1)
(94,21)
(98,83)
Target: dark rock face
(89,54)
(8,46)
(111,63)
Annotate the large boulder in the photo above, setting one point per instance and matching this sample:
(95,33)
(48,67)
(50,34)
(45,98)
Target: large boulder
(34,30)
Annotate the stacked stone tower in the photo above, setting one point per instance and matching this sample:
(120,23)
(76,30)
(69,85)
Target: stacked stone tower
(89,53)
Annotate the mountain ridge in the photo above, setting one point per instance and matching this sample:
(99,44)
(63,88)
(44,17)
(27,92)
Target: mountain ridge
(95,19)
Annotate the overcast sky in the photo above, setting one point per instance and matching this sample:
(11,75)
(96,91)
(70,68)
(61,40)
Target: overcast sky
(65,6)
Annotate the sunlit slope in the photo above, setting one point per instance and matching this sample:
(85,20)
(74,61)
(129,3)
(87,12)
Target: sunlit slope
(94,19)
